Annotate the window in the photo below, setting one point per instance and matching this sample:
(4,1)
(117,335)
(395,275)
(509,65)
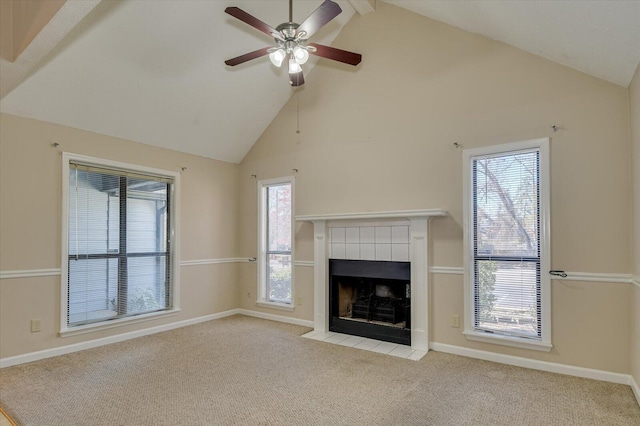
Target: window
(507,288)
(275,276)
(118,254)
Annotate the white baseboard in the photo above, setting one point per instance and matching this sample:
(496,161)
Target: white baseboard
(67,349)
(552,367)
(636,389)
(625,379)
(278,318)
(62,350)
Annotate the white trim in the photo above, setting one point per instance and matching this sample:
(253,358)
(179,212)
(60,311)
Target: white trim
(452,270)
(606,376)
(552,367)
(515,342)
(174,238)
(28,273)
(262,240)
(593,277)
(542,147)
(373,215)
(62,350)
(635,388)
(419,256)
(276,305)
(278,318)
(105,325)
(320,271)
(346,223)
(214,261)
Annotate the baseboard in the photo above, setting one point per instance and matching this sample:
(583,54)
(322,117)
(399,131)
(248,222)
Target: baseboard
(552,367)
(636,389)
(62,350)
(625,379)
(278,318)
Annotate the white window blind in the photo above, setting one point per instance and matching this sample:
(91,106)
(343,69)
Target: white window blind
(506,220)
(276,243)
(119,252)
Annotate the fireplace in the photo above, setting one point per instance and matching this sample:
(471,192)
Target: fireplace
(327,248)
(371,299)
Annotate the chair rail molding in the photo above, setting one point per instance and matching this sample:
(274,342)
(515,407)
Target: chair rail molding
(214,261)
(29,273)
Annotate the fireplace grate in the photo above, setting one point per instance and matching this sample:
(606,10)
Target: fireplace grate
(375,308)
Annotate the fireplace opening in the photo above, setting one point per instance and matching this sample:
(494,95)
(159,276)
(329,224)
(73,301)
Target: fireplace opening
(371,299)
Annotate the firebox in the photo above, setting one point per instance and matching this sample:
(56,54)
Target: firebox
(371,299)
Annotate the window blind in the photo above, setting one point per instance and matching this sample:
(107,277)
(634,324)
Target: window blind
(278,242)
(118,244)
(506,243)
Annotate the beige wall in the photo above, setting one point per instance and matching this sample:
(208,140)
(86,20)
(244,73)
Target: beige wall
(634,101)
(30,228)
(380,137)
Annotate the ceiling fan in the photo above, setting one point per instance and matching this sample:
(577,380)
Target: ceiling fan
(291,40)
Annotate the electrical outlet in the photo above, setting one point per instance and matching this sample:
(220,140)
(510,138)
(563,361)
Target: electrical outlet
(36,325)
(299,299)
(455,321)
(248,295)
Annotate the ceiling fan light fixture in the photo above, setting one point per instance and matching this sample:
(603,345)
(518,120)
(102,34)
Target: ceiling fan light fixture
(277,57)
(301,55)
(291,40)
(294,67)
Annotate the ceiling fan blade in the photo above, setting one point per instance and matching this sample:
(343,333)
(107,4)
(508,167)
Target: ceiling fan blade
(336,54)
(296,79)
(247,57)
(322,15)
(240,14)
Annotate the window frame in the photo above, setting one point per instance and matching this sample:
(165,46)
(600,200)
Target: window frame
(262,263)
(544,342)
(174,247)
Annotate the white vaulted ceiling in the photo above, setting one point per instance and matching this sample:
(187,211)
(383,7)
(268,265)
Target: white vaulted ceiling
(153,71)
(600,38)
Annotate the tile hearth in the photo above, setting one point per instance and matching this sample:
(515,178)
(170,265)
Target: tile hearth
(362,343)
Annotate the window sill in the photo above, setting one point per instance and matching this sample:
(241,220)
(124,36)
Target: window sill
(275,305)
(90,328)
(516,342)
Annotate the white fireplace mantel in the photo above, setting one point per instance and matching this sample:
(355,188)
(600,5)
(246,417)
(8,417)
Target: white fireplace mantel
(398,214)
(418,254)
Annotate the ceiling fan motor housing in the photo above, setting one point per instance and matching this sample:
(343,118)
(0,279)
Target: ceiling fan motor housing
(291,40)
(288,30)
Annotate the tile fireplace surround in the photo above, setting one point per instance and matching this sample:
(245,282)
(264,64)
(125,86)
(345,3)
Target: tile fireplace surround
(374,236)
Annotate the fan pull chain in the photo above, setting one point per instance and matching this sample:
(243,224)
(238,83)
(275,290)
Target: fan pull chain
(297,111)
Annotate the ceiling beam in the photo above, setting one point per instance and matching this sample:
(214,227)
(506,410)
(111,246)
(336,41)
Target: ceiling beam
(35,45)
(22,20)
(363,6)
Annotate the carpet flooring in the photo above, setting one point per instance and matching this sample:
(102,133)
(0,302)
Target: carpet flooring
(246,371)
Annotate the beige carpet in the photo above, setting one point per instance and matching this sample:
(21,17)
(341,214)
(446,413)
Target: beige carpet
(246,371)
